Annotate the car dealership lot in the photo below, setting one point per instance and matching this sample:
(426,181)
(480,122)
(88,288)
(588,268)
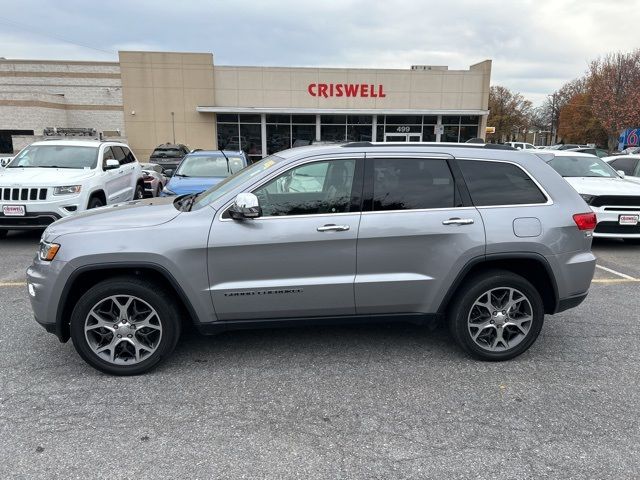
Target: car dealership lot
(376,401)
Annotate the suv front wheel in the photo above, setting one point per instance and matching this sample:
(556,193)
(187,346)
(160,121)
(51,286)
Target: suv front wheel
(125,326)
(496,315)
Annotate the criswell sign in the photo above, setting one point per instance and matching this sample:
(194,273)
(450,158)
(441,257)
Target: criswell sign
(362,90)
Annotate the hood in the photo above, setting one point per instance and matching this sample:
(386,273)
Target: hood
(121,216)
(604,186)
(45,177)
(185,185)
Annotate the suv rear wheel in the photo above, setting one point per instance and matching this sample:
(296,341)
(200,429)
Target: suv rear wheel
(496,315)
(125,326)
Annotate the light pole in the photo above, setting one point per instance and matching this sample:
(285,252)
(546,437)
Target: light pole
(173,127)
(553,118)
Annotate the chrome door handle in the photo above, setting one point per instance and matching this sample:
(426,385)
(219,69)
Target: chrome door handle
(333,228)
(458,221)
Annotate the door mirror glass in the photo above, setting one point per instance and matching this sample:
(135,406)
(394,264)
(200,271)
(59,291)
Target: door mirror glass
(246,205)
(621,173)
(111,163)
(168,172)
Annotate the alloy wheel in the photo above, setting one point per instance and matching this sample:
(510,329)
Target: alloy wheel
(500,319)
(123,330)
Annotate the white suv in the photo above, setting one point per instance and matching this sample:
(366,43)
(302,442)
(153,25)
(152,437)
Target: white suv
(52,179)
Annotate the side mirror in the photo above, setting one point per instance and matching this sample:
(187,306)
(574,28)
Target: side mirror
(168,172)
(621,173)
(110,164)
(246,205)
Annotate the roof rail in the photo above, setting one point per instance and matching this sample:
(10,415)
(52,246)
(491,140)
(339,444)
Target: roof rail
(488,146)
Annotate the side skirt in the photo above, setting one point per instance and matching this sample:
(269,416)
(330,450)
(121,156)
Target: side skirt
(431,319)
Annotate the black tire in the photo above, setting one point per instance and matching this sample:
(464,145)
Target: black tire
(154,295)
(632,241)
(139,193)
(3,234)
(95,202)
(471,291)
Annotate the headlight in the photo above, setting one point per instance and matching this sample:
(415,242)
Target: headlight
(48,250)
(587,198)
(69,189)
(166,191)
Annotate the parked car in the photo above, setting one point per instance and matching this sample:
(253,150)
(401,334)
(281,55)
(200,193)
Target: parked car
(482,237)
(615,200)
(52,179)
(630,151)
(565,146)
(520,145)
(627,164)
(154,179)
(168,156)
(202,169)
(598,152)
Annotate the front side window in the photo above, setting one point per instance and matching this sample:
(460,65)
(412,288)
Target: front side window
(582,167)
(312,188)
(410,183)
(56,156)
(209,166)
(498,183)
(627,165)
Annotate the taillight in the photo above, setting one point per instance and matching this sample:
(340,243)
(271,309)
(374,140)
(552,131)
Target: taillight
(585,221)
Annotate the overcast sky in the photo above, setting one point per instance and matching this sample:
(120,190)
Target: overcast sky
(535,46)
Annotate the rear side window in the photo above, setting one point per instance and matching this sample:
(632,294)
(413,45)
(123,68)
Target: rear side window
(119,154)
(411,183)
(497,183)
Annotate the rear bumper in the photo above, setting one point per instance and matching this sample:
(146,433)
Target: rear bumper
(570,302)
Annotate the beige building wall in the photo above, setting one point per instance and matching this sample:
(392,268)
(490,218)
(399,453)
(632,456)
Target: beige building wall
(155,84)
(436,88)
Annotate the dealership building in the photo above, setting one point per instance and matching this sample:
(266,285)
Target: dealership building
(149,98)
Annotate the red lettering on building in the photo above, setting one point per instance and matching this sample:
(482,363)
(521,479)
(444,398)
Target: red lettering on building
(363,90)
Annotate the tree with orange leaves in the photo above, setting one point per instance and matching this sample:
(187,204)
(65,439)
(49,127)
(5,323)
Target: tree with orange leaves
(578,123)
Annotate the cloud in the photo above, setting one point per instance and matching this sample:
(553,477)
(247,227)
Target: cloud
(535,46)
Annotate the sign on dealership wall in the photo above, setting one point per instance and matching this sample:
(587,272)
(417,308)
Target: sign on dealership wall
(361,90)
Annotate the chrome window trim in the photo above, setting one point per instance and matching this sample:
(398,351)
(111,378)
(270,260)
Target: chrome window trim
(510,205)
(292,165)
(419,210)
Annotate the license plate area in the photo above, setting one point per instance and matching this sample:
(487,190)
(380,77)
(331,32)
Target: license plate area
(628,219)
(14,210)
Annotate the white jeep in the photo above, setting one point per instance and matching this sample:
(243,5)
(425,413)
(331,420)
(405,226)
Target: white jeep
(52,179)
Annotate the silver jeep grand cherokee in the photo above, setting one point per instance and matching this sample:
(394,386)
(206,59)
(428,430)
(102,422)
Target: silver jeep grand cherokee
(490,239)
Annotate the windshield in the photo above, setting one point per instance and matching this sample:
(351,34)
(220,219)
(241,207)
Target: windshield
(229,183)
(56,156)
(209,166)
(167,152)
(582,167)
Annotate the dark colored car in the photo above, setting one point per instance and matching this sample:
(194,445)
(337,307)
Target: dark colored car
(168,156)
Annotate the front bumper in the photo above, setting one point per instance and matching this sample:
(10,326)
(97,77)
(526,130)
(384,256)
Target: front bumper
(608,223)
(43,293)
(41,213)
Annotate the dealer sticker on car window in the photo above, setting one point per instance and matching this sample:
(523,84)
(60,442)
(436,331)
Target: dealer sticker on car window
(628,219)
(14,210)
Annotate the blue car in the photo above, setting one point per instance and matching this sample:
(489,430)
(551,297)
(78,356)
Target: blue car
(202,169)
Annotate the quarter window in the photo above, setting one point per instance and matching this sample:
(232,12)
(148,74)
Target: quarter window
(312,188)
(411,183)
(497,183)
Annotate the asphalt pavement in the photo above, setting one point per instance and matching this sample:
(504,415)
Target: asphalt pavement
(388,401)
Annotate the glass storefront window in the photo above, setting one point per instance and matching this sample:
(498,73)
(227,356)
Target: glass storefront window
(279,118)
(333,133)
(451,120)
(335,119)
(249,118)
(359,119)
(302,135)
(468,132)
(305,119)
(450,133)
(278,137)
(359,133)
(251,141)
(227,117)
(404,119)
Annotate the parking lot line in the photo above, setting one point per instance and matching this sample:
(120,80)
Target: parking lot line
(615,280)
(13,284)
(623,275)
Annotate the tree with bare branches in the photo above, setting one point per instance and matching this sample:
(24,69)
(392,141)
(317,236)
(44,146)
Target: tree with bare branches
(509,113)
(614,86)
